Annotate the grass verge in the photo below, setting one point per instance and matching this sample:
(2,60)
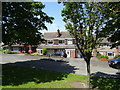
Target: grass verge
(19,77)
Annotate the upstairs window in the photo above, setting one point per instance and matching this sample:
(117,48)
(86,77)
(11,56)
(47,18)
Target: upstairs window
(61,42)
(43,42)
(70,42)
(50,41)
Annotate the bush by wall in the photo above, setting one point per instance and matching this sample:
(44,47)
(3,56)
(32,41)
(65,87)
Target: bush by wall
(104,59)
(102,56)
(13,52)
(35,53)
(44,51)
(3,51)
(98,54)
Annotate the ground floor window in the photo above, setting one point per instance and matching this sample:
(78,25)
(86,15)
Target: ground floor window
(110,54)
(15,49)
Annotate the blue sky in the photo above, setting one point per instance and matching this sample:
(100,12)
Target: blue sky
(54,9)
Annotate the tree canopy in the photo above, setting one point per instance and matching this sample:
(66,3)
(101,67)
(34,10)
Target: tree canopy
(22,22)
(84,21)
(112,13)
(89,23)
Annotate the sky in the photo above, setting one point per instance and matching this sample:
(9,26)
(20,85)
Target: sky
(54,9)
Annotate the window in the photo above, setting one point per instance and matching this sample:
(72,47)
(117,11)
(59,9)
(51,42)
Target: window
(50,41)
(110,45)
(61,41)
(43,42)
(110,54)
(70,42)
(15,49)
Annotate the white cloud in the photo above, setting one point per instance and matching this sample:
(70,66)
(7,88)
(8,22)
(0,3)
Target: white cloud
(54,27)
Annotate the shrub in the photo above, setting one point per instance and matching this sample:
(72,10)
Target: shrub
(98,54)
(13,52)
(3,51)
(116,56)
(102,56)
(104,59)
(44,51)
(35,53)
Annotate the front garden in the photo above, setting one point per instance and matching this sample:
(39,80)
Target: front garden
(19,77)
(8,52)
(105,58)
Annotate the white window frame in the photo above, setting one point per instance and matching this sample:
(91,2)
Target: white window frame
(50,43)
(70,41)
(113,54)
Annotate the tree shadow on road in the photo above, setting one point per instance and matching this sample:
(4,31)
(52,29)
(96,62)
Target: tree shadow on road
(105,81)
(35,71)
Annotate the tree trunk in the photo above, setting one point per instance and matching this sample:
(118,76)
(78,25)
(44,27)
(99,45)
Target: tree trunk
(88,72)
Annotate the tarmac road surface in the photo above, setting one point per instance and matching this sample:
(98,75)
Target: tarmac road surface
(67,65)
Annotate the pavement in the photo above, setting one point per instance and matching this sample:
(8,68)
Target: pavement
(66,65)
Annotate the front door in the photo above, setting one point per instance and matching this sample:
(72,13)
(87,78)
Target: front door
(68,53)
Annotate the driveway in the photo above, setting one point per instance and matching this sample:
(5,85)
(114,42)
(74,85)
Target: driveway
(98,67)
(67,65)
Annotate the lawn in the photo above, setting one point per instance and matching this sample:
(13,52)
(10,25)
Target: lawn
(19,77)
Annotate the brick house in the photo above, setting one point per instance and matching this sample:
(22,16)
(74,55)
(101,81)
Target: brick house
(59,41)
(20,48)
(105,49)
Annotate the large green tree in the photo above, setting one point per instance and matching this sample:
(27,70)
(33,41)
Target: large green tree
(112,13)
(85,21)
(22,22)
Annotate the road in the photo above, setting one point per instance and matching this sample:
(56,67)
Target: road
(67,65)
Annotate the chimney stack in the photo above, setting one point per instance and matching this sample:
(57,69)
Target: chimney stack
(58,32)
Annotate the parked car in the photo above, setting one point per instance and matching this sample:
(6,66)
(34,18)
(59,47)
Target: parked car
(58,53)
(114,63)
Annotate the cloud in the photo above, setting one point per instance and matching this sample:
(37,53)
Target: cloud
(51,28)
(54,27)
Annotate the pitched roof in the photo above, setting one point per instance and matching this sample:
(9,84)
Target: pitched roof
(58,46)
(106,48)
(51,35)
(64,34)
(105,40)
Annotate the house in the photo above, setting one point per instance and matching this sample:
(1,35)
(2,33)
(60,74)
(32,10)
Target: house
(59,41)
(21,48)
(63,41)
(105,49)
